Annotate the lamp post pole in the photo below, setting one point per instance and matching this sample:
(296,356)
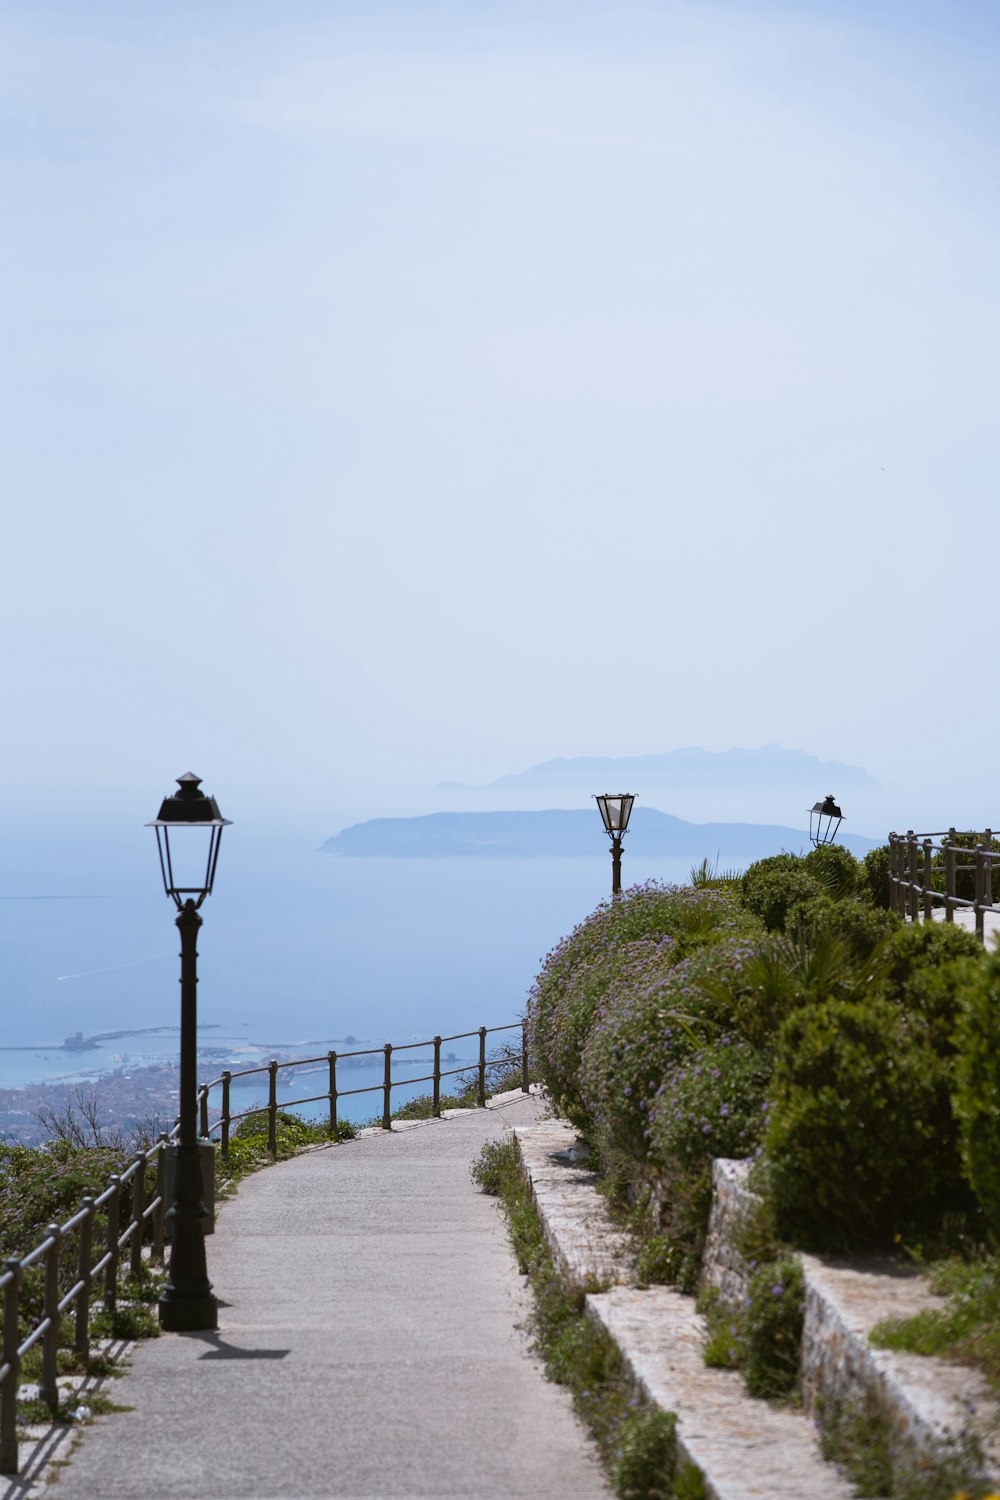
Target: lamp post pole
(615,811)
(187,1303)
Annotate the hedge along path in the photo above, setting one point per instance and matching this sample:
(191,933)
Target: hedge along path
(368,1343)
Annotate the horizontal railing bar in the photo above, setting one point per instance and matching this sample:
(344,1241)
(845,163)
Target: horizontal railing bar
(39,1252)
(460,1036)
(148,1213)
(38,1332)
(72,1295)
(106,1196)
(5,1370)
(78,1218)
(123,1239)
(102,1264)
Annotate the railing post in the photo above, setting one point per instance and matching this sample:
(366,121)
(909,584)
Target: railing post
(227,1079)
(437,1078)
(49,1388)
(272,1107)
(481,1095)
(524,1058)
(111,1270)
(138,1203)
(156,1254)
(928,893)
(980,892)
(331,1058)
(950,875)
(81,1331)
(8,1390)
(988,883)
(911,840)
(387,1089)
(892,872)
(203,1126)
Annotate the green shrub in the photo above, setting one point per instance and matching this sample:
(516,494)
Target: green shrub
(860,927)
(773,885)
(917,946)
(497,1167)
(929,966)
(658,1262)
(977,1093)
(785,973)
(861,1140)
(836,869)
(712,1104)
(644,1455)
(773,1325)
(873,884)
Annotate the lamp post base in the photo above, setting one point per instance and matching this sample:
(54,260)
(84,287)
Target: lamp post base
(179,1314)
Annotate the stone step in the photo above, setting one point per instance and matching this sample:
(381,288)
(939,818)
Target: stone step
(928,1401)
(744,1447)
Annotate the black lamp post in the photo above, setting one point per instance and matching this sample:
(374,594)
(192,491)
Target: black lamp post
(615,812)
(188,865)
(822,829)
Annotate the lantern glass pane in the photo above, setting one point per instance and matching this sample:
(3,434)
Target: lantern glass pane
(191,852)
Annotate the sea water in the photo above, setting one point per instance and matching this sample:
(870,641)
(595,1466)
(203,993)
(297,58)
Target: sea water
(299,950)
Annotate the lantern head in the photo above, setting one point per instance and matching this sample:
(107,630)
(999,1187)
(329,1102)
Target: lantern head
(822,828)
(188,834)
(615,811)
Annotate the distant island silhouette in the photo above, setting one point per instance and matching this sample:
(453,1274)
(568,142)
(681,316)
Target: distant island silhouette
(569,832)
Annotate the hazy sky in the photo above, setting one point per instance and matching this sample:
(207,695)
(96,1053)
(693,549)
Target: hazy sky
(404,391)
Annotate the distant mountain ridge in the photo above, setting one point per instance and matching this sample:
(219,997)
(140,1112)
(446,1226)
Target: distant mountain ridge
(768,768)
(567,832)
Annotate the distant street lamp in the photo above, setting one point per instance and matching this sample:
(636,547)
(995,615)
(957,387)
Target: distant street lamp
(188,865)
(615,812)
(821,824)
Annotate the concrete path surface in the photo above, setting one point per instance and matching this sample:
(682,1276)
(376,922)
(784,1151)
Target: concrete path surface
(367,1345)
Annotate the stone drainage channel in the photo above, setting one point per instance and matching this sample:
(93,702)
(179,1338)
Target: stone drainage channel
(745,1447)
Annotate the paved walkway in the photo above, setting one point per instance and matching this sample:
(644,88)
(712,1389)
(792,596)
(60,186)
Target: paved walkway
(367,1346)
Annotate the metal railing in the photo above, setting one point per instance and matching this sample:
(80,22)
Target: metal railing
(957,870)
(132,1181)
(332,1093)
(104,1271)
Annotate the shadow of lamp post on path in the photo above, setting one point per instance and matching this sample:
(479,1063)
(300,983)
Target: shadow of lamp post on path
(188,834)
(822,829)
(615,810)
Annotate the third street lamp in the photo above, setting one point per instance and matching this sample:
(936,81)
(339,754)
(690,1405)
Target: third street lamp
(188,834)
(615,812)
(822,829)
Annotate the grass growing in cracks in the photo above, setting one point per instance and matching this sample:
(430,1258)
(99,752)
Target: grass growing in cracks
(637,1441)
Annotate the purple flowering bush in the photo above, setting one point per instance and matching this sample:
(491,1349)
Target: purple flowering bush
(714,1103)
(650,929)
(650,1019)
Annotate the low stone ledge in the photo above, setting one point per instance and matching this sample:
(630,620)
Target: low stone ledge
(588,1249)
(927,1400)
(744,1447)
